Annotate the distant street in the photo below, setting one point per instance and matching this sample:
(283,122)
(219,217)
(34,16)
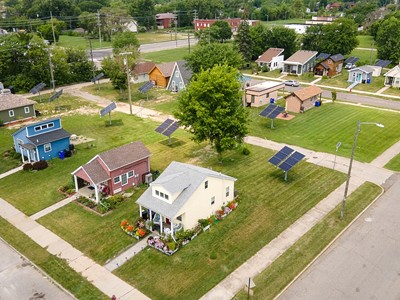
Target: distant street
(364,262)
(145,48)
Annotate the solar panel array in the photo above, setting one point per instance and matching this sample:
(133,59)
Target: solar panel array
(351,60)
(168,127)
(97,77)
(36,89)
(383,63)
(146,87)
(272,111)
(286,158)
(55,95)
(108,109)
(322,56)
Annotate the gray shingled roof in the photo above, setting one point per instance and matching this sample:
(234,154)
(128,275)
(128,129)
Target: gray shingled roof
(177,177)
(124,155)
(95,171)
(186,73)
(364,69)
(49,137)
(301,56)
(10,101)
(337,57)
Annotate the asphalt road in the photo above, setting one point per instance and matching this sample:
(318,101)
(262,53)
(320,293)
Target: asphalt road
(100,54)
(364,262)
(20,280)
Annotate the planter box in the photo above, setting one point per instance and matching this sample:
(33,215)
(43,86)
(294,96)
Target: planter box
(206,228)
(193,237)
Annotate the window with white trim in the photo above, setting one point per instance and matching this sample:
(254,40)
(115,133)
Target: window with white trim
(26,109)
(117,179)
(20,142)
(177,74)
(157,193)
(11,113)
(212,200)
(227,191)
(47,147)
(130,174)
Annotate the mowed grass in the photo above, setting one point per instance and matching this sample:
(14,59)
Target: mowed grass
(337,81)
(267,206)
(167,55)
(283,270)
(365,56)
(365,41)
(392,91)
(31,192)
(54,267)
(6,144)
(394,163)
(322,128)
(376,84)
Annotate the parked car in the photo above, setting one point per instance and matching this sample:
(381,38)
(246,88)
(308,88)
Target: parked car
(349,66)
(5,91)
(292,83)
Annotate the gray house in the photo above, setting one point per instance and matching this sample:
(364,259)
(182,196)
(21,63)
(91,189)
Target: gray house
(392,78)
(301,62)
(15,108)
(180,77)
(361,74)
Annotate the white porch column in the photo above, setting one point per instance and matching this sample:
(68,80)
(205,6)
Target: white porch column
(96,191)
(140,211)
(161,224)
(151,218)
(76,183)
(172,228)
(37,154)
(22,154)
(29,156)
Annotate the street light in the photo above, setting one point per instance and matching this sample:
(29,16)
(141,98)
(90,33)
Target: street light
(128,78)
(359,123)
(337,149)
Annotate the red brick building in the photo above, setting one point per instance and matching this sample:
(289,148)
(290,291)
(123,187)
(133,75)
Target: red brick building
(233,23)
(165,20)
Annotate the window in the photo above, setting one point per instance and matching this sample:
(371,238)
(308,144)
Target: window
(227,191)
(176,73)
(180,85)
(252,98)
(212,200)
(206,184)
(130,174)
(157,193)
(117,179)
(20,142)
(11,113)
(44,126)
(124,179)
(47,147)
(166,197)
(50,125)
(267,95)
(161,194)
(26,109)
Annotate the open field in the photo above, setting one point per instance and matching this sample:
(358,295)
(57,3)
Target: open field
(337,81)
(366,56)
(270,282)
(321,128)
(55,267)
(392,91)
(394,163)
(167,55)
(365,41)
(283,22)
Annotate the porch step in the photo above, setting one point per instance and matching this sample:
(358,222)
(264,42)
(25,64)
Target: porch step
(352,85)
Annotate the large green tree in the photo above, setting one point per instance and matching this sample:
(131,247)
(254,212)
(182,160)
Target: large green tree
(207,56)
(243,40)
(221,31)
(211,108)
(388,40)
(125,42)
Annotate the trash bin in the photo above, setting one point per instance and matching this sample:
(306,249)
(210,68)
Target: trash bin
(368,80)
(272,100)
(317,103)
(61,154)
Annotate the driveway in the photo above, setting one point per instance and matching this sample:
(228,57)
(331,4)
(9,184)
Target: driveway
(364,262)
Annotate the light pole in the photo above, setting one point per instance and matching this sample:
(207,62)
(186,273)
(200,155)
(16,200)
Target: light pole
(128,77)
(359,123)
(337,148)
(52,81)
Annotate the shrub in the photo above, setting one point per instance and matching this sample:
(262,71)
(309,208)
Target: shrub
(27,167)
(245,151)
(1,123)
(40,165)
(213,255)
(204,222)
(171,246)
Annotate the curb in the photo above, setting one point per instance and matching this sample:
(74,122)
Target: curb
(329,245)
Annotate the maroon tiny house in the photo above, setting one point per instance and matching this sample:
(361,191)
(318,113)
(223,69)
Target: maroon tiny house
(113,171)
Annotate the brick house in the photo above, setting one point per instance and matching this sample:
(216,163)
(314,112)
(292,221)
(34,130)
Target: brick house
(330,66)
(304,99)
(165,20)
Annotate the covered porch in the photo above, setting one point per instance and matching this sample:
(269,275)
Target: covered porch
(29,153)
(91,190)
(162,224)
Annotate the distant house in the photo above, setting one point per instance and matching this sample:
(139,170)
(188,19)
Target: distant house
(132,26)
(330,66)
(361,74)
(261,94)
(272,59)
(180,77)
(233,23)
(304,99)
(301,62)
(42,140)
(392,77)
(320,20)
(161,73)
(113,171)
(184,193)
(15,108)
(141,72)
(165,20)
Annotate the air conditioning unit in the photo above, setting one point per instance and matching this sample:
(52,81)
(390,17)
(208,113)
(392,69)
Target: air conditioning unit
(148,178)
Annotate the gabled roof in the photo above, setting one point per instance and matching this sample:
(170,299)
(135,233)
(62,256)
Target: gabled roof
(337,57)
(10,101)
(185,72)
(324,65)
(307,92)
(94,171)
(177,178)
(322,56)
(301,56)
(49,137)
(35,124)
(124,155)
(268,55)
(143,67)
(165,16)
(395,72)
(364,69)
(165,68)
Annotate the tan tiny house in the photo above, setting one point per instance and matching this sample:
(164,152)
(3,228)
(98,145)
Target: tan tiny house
(161,73)
(261,94)
(304,99)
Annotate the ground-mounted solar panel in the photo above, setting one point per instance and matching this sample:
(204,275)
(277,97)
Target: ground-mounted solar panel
(36,89)
(267,110)
(56,95)
(383,63)
(322,56)
(164,125)
(108,109)
(298,156)
(146,87)
(286,159)
(281,155)
(97,77)
(276,112)
(171,129)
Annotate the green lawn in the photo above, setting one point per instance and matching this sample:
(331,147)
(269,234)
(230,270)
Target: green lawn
(7,162)
(365,41)
(263,213)
(321,128)
(394,163)
(307,77)
(167,55)
(392,91)
(55,267)
(274,73)
(283,22)
(376,84)
(279,274)
(168,106)
(337,81)
(364,55)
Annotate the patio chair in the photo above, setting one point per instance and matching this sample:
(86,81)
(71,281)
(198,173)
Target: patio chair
(157,219)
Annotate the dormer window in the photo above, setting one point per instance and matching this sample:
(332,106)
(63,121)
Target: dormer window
(206,184)
(161,195)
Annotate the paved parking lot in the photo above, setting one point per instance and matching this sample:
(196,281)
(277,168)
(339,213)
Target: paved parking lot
(19,279)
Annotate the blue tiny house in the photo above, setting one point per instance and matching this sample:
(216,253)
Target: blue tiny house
(42,140)
(180,77)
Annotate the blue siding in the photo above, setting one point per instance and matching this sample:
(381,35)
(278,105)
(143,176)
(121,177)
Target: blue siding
(56,146)
(176,78)
(22,136)
(56,125)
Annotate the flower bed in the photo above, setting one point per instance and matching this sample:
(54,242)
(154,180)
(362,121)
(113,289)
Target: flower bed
(105,204)
(169,245)
(138,231)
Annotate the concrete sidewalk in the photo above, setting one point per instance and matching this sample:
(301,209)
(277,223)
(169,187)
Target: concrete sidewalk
(54,207)
(99,276)
(386,156)
(12,171)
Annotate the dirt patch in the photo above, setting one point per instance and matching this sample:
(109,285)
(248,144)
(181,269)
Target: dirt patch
(287,118)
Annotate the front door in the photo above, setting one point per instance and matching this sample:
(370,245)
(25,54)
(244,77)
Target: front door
(359,77)
(124,179)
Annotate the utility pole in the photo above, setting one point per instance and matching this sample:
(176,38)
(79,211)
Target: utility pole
(91,56)
(128,76)
(99,25)
(372,49)
(52,28)
(194,19)
(52,81)
(189,40)
(176,28)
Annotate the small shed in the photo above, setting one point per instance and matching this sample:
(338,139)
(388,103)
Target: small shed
(361,74)
(180,77)
(141,71)
(262,93)
(161,73)
(304,99)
